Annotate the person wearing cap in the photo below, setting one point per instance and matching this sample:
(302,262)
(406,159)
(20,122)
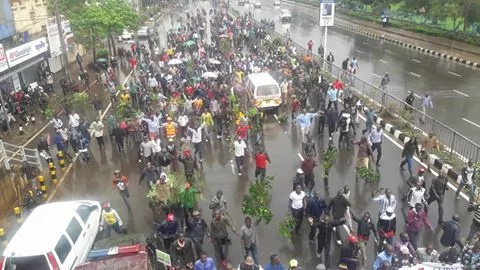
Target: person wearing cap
(188,200)
(197,140)
(451,233)
(249,264)
(239,149)
(350,252)
(385,200)
(196,230)
(219,232)
(387,226)
(182,252)
(419,178)
(274,264)
(189,165)
(164,191)
(437,193)
(120,183)
(364,227)
(168,229)
(293,265)
(385,256)
(111,220)
(170,128)
(404,258)
(204,263)
(298,179)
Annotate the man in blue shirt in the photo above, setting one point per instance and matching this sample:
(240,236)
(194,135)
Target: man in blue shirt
(304,120)
(383,256)
(204,263)
(274,263)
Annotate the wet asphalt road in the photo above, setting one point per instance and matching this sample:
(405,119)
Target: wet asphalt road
(93,182)
(452,86)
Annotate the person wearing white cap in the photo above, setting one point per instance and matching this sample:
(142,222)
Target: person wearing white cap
(249,264)
(293,265)
(111,220)
(387,226)
(299,179)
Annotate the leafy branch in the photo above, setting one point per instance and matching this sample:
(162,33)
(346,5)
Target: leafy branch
(286,227)
(328,159)
(256,201)
(368,175)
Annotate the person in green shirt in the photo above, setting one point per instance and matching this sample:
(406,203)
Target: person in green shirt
(133,92)
(188,199)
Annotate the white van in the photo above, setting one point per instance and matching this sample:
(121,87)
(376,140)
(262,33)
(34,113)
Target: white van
(285,16)
(264,91)
(55,236)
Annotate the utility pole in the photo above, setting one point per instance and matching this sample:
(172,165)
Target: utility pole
(62,42)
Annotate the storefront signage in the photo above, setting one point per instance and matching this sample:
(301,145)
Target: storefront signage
(53,37)
(26,51)
(3,59)
(434,266)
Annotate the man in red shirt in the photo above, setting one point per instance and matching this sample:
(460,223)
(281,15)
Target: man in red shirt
(310,46)
(242,131)
(261,159)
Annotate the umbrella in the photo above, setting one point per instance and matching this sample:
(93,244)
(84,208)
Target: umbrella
(214,61)
(189,43)
(210,74)
(175,61)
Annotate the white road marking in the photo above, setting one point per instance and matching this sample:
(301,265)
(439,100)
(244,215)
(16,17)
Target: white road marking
(358,51)
(233,167)
(414,74)
(376,75)
(70,166)
(388,51)
(301,157)
(417,61)
(455,74)
(460,93)
(364,42)
(276,117)
(383,61)
(418,96)
(470,122)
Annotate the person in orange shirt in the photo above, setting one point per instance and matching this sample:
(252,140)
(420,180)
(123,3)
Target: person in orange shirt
(120,183)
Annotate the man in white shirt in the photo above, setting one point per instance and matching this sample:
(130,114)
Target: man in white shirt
(73,120)
(416,195)
(240,147)
(152,83)
(146,150)
(197,141)
(97,129)
(376,140)
(297,204)
(385,201)
(183,122)
(57,123)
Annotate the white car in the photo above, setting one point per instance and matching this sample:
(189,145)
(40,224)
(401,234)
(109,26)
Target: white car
(54,236)
(276,2)
(126,35)
(257,4)
(143,32)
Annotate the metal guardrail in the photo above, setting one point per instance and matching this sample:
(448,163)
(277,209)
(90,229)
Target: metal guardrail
(454,143)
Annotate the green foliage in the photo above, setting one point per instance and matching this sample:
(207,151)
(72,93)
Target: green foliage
(225,45)
(286,227)
(102,53)
(79,101)
(125,111)
(256,201)
(283,118)
(49,114)
(368,175)
(329,158)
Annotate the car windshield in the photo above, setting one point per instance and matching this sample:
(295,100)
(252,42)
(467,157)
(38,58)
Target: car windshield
(267,90)
(27,263)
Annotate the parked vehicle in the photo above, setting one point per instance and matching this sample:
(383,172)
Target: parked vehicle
(143,32)
(276,2)
(54,236)
(285,16)
(257,4)
(126,35)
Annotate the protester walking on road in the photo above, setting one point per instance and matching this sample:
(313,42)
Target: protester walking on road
(248,237)
(239,150)
(416,219)
(204,263)
(451,233)
(409,150)
(316,207)
(197,141)
(261,159)
(197,229)
(376,137)
(97,128)
(364,227)
(437,193)
(220,238)
(338,207)
(297,205)
(426,103)
(111,220)
(383,86)
(467,179)
(120,183)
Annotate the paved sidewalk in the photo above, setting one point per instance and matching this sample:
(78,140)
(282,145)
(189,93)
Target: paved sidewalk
(447,46)
(13,136)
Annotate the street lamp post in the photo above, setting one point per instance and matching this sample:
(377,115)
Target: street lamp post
(62,42)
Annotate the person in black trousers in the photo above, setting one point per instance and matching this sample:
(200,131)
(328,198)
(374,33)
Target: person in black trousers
(331,117)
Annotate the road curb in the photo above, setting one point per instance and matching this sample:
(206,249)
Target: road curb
(435,161)
(408,45)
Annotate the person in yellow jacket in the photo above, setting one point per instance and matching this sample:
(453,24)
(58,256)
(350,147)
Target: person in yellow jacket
(170,128)
(111,220)
(239,118)
(207,121)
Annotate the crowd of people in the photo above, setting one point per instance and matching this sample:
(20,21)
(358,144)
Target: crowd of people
(184,94)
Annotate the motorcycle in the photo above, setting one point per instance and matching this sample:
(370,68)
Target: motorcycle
(32,199)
